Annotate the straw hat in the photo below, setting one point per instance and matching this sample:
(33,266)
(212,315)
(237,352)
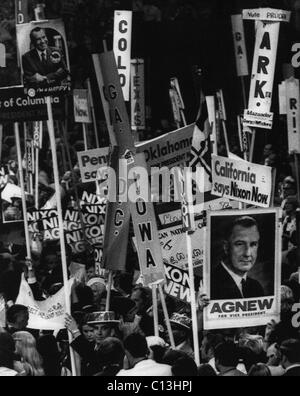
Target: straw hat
(104,317)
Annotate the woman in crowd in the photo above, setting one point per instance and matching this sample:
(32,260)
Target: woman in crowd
(30,358)
(7,358)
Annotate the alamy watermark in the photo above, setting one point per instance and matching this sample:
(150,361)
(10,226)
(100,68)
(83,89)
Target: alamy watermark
(160,185)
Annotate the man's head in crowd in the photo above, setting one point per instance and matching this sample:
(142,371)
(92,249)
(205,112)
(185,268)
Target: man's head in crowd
(49,258)
(289,187)
(90,272)
(111,352)
(104,324)
(103,331)
(268,150)
(136,348)
(17,317)
(226,355)
(290,205)
(141,297)
(241,245)
(290,352)
(98,288)
(273,355)
(87,330)
(209,343)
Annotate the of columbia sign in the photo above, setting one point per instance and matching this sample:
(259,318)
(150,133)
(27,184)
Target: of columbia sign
(267,14)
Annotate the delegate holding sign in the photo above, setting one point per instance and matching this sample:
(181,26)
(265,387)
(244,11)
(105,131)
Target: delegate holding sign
(242,181)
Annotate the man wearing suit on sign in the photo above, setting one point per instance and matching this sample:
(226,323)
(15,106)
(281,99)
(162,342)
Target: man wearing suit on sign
(43,65)
(230,279)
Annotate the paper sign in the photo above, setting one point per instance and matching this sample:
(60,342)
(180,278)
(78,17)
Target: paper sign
(242,181)
(104,100)
(138,115)
(122,48)
(240,45)
(44,315)
(267,14)
(170,150)
(261,90)
(282,98)
(293,114)
(91,161)
(21,11)
(118,112)
(174,247)
(146,233)
(82,112)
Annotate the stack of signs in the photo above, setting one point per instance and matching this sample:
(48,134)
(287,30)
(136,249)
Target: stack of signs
(79,228)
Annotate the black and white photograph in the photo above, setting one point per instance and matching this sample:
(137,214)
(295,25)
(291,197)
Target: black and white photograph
(150,191)
(44,56)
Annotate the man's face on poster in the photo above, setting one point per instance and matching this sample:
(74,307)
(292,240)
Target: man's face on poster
(242,249)
(40,40)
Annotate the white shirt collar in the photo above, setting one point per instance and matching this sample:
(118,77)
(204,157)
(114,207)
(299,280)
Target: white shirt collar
(41,52)
(237,278)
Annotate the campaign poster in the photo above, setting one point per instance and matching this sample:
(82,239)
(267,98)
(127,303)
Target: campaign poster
(44,58)
(170,150)
(82,109)
(91,161)
(178,283)
(243,268)
(174,248)
(242,181)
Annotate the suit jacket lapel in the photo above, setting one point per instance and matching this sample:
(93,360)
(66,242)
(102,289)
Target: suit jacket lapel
(232,287)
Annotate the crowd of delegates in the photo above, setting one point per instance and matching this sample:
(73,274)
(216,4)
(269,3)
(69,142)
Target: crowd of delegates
(121,341)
